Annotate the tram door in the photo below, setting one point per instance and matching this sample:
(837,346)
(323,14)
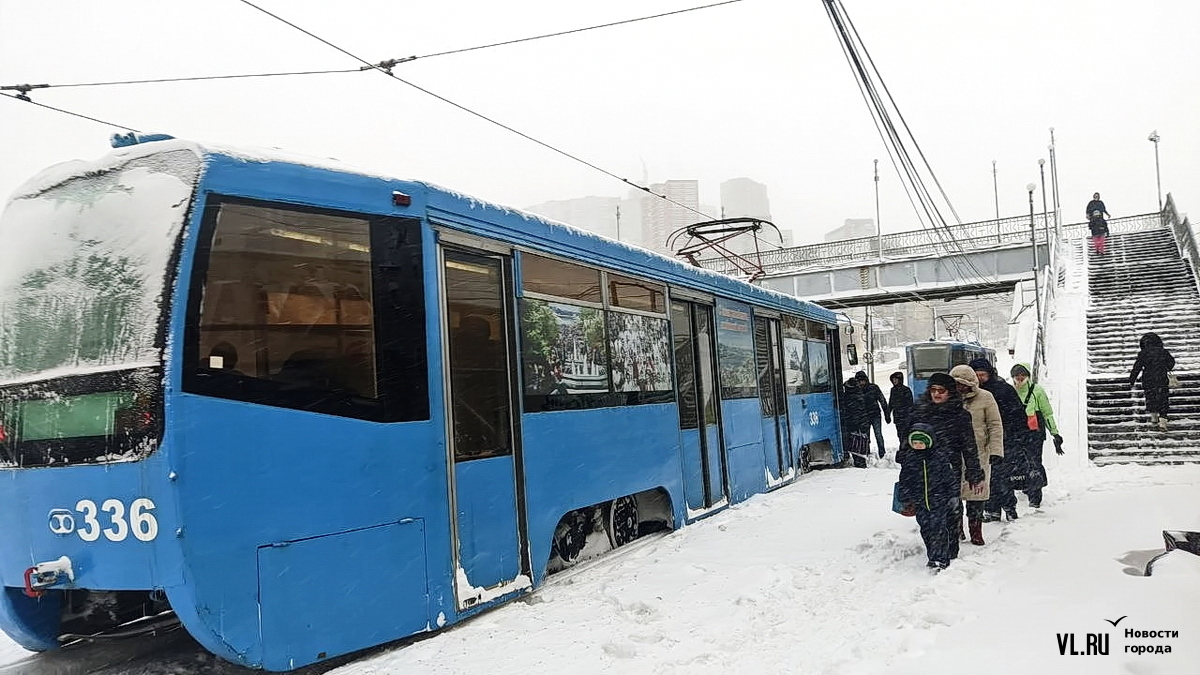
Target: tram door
(768,355)
(706,477)
(481,425)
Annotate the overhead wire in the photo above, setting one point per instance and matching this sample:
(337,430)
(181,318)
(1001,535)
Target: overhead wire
(387,71)
(385,67)
(383,64)
(867,74)
(68,112)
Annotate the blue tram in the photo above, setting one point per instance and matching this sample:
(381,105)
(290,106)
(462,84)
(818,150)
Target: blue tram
(303,410)
(939,356)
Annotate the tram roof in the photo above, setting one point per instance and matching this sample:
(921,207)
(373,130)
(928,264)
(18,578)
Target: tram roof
(445,206)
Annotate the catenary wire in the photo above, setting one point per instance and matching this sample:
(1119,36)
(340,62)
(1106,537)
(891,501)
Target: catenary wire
(901,159)
(384,64)
(68,112)
(480,115)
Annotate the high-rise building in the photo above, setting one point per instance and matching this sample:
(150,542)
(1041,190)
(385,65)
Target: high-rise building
(746,198)
(852,229)
(660,217)
(595,214)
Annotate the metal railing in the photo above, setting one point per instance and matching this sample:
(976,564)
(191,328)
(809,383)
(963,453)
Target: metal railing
(977,236)
(1185,238)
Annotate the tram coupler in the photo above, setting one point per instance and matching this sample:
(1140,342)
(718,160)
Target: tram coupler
(46,574)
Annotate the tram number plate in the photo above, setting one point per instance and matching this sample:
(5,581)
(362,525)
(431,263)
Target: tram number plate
(814,418)
(111,519)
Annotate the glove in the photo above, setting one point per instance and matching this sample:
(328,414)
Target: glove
(1058,444)
(1031,421)
(909,510)
(995,459)
(887,418)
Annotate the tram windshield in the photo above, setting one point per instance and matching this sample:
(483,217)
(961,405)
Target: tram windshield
(84,258)
(930,359)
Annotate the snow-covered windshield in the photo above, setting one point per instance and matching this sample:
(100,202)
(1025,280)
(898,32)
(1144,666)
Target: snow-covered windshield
(83,265)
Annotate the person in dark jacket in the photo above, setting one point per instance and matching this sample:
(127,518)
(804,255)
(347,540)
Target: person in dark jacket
(876,407)
(855,423)
(1097,225)
(1096,205)
(940,445)
(900,402)
(1154,363)
(1014,466)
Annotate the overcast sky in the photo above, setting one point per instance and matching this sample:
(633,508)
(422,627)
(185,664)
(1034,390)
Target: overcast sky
(756,88)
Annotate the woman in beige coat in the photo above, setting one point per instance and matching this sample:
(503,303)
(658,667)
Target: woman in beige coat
(989,438)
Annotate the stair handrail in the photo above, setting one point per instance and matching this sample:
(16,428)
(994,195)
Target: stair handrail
(1185,238)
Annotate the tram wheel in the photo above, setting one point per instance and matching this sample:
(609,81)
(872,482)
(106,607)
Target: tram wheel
(571,535)
(621,520)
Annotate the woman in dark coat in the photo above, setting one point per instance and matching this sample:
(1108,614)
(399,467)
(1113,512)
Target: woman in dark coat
(856,422)
(1153,363)
(900,401)
(940,443)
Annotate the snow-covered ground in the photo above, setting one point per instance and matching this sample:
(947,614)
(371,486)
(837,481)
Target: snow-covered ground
(821,577)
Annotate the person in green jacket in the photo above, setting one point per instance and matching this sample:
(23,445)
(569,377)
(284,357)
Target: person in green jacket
(1040,418)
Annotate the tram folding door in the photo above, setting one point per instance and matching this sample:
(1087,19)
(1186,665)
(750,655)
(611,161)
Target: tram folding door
(481,423)
(780,453)
(705,473)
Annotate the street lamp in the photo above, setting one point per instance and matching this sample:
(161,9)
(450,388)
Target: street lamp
(1037,299)
(878,226)
(1045,213)
(1154,138)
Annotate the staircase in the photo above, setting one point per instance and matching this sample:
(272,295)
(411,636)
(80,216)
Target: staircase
(1141,285)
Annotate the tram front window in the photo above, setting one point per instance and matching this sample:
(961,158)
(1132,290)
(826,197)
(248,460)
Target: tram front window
(84,264)
(930,359)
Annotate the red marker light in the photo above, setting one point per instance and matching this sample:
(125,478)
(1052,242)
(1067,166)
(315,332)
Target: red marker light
(401,199)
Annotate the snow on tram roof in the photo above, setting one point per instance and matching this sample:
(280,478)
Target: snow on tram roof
(134,146)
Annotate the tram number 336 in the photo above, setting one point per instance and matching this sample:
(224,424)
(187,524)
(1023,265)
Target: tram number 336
(814,418)
(111,519)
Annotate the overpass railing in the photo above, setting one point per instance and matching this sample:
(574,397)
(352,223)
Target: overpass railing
(977,236)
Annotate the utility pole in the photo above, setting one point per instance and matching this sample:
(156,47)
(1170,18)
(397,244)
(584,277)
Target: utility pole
(1154,138)
(878,225)
(1054,187)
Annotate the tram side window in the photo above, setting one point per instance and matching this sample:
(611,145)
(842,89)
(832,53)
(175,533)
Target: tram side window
(795,356)
(636,294)
(546,276)
(579,351)
(818,365)
(286,315)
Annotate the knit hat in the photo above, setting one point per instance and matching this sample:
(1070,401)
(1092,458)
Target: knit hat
(920,437)
(984,365)
(942,380)
(861,375)
(1019,369)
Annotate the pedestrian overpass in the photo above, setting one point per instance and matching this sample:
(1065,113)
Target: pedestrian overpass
(942,263)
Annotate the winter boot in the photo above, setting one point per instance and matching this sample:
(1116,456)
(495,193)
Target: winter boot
(1162,423)
(991,516)
(976,527)
(961,535)
(1011,512)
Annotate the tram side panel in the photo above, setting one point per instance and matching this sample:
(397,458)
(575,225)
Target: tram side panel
(577,458)
(317,522)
